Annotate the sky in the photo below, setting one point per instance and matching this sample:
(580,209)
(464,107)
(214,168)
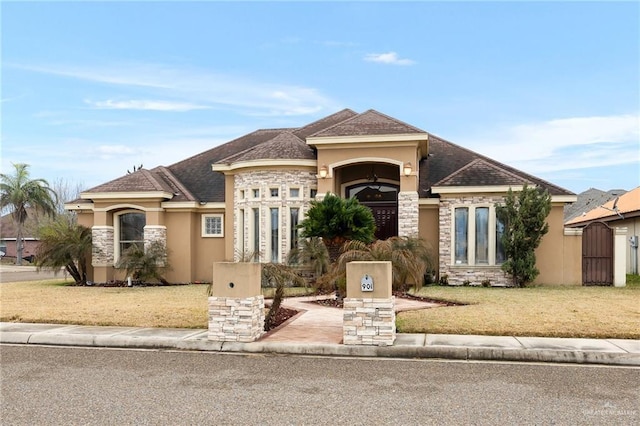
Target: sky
(90,89)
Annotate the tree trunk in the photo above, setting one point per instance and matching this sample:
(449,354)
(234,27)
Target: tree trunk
(19,244)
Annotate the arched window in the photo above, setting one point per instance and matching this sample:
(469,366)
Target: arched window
(130,230)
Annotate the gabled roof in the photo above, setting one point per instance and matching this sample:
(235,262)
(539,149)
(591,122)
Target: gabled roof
(625,206)
(446,158)
(139,181)
(284,146)
(193,179)
(368,123)
(479,172)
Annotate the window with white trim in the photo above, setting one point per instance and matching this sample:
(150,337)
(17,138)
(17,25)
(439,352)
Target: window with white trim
(477,236)
(274,192)
(129,231)
(212,225)
(294,192)
(255,192)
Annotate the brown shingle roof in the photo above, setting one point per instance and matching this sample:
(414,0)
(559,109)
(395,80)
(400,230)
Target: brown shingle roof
(446,158)
(140,180)
(481,173)
(284,146)
(448,164)
(370,122)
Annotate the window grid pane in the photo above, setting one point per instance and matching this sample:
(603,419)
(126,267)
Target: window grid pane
(461,231)
(213,226)
(294,228)
(482,235)
(275,228)
(500,256)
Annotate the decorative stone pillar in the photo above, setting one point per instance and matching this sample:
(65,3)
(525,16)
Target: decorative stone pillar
(408,209)
(102,247)
(369,308)
(236,306)
(620,257)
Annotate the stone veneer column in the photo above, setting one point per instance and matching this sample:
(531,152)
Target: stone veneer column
(369,316)
(408,209)
(102,247)
(236,306)
(155,233)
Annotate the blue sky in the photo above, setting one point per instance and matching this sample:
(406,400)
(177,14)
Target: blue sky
(91,89)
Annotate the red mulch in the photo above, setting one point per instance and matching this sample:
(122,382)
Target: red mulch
(337,303)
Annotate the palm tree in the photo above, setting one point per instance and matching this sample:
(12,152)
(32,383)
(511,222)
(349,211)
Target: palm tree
(18,193)
(410,258)
(65,244)
(337,220)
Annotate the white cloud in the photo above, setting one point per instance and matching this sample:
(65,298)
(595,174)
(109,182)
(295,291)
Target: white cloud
(147,105)
(563,144)
(190,86)
(388,58)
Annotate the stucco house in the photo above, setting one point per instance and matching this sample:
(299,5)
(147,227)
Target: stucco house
(249,195)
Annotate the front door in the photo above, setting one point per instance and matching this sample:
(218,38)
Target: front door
(382,199)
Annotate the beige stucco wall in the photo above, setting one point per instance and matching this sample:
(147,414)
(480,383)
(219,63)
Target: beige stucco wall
(429,229)
(559,257)
(395,156)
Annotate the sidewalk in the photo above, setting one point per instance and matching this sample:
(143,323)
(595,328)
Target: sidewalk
(499,348)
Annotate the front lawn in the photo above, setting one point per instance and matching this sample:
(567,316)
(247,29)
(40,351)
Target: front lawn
(554,311)
(537,311)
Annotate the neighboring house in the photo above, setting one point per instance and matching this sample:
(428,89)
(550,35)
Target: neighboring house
(249,195)
(8,237)
(621,212)
(588,200)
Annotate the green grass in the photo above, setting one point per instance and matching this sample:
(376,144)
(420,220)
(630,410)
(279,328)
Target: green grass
(557,311)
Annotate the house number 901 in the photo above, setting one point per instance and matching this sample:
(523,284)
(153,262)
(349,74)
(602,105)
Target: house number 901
(366,283)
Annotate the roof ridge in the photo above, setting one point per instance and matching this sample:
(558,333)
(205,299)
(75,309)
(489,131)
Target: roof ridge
(175,183)
(152,179)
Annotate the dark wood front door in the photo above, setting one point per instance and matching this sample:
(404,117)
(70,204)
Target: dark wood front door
(382,199)
(597,254)
(386,217)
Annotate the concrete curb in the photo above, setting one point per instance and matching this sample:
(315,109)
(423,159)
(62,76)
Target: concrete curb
(125,339)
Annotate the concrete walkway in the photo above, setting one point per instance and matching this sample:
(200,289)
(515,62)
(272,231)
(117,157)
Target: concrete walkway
(318,331)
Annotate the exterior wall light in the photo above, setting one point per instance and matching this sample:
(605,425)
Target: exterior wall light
(323,171)
(407,169)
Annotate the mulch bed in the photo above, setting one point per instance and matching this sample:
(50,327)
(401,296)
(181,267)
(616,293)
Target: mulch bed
(337,303)
(282,316)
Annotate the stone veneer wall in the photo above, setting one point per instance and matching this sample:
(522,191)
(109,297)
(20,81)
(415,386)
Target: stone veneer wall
(102,246)
(465,274)
(155,233)
(234,319)
(265,180)
(408,214)
(369,321)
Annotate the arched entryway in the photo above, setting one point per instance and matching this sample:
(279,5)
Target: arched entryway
(382,199)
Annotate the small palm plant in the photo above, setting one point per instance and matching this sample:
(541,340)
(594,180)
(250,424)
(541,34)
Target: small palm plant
(65,244)
(310,253)
(410,258)
(142,264)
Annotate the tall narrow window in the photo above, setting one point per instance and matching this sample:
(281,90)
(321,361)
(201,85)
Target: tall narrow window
(500,256)
(241,232)
(482,235)
(293,230)
(131,230)
(461,230)
(275,228)
(256,235)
